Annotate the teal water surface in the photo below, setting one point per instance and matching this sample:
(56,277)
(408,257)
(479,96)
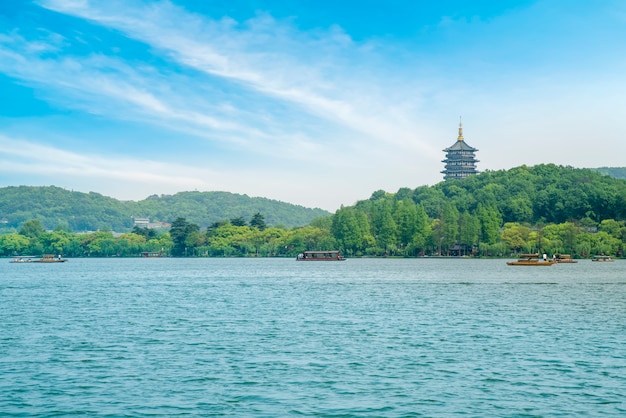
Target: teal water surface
(276,337)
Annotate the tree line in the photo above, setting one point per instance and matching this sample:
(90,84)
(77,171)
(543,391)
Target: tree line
(545,208)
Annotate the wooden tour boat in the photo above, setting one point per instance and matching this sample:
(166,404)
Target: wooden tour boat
(332,255)
(531,260)
(564,258)
(151,254)
(602,258)
(46,258)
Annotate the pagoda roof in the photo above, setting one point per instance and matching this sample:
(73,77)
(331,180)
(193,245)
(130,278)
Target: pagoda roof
(460,145)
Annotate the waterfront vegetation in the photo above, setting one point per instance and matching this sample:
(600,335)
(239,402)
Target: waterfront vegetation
(546,208)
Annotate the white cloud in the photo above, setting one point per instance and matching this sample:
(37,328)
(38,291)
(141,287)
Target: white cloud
(282,106)
(34,158)
(268,57)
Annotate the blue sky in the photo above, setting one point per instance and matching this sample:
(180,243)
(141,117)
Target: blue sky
(312,102)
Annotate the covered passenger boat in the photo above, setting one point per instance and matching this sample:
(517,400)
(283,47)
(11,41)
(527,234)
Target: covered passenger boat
(531,260)
(332,255)
(564,258)
(46,258)
(601,258)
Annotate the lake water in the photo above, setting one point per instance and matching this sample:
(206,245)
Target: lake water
(276,337)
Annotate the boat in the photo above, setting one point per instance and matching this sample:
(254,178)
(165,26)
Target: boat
(50,258)
(23,259)
(46,258)
(564,258)
(602,258)
(151,254)
(531,260)
(332,255)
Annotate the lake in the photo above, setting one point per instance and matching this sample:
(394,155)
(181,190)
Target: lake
(275,337)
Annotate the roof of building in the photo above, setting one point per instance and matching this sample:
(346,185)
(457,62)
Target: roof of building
(460,145)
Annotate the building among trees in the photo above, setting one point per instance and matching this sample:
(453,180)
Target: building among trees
(460,159)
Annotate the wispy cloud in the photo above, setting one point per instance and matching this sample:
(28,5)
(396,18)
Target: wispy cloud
(107,85)
(267,57)
(261,105)
(130,178)
(21,156)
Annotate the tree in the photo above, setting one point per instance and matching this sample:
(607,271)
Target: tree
(131,244)
(422,232)
(258,221)
(13,244)
(238,221)
(469,230)
(386,228)
(345,229)
(99,244)
(515,236)
(147,233)
(611,227)
(180,233)
(603,243)
(32,228)
(55,242)
(490,221)
(406,220)
(448,226)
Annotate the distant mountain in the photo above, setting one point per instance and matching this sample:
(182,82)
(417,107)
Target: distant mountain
(615,172)
(77,211)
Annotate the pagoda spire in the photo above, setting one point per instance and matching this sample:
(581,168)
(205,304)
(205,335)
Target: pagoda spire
(460,138)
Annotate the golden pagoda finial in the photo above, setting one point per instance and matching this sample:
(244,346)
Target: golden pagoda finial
(460,138)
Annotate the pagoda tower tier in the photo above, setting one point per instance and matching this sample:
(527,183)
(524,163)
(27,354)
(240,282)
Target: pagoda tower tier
(460,159)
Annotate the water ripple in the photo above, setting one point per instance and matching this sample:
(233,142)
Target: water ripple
(271,337)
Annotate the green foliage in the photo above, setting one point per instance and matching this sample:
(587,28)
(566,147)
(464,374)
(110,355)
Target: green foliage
(526,209)
(346,230)
(185,238)
(54,206)
(258,221)
(205,208)
(32,228)
(546,208)
(13,244)
(76,211)
(145,232)
(238,221)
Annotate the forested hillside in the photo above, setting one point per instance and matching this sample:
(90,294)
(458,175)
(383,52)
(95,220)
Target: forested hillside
(535,195)
(75,211)
(615,172)
(542,209)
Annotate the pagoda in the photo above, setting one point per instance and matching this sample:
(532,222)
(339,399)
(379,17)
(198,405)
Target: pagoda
(460,159)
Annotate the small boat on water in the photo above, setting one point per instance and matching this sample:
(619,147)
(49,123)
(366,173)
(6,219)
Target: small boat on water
(564,258)
(332,255)
(46,258)
(601,258)
(531,260)
(151,254)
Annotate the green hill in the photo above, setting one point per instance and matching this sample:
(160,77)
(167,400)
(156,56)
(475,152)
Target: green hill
(615,172)
(77,211)
(544,208)
(544,193)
